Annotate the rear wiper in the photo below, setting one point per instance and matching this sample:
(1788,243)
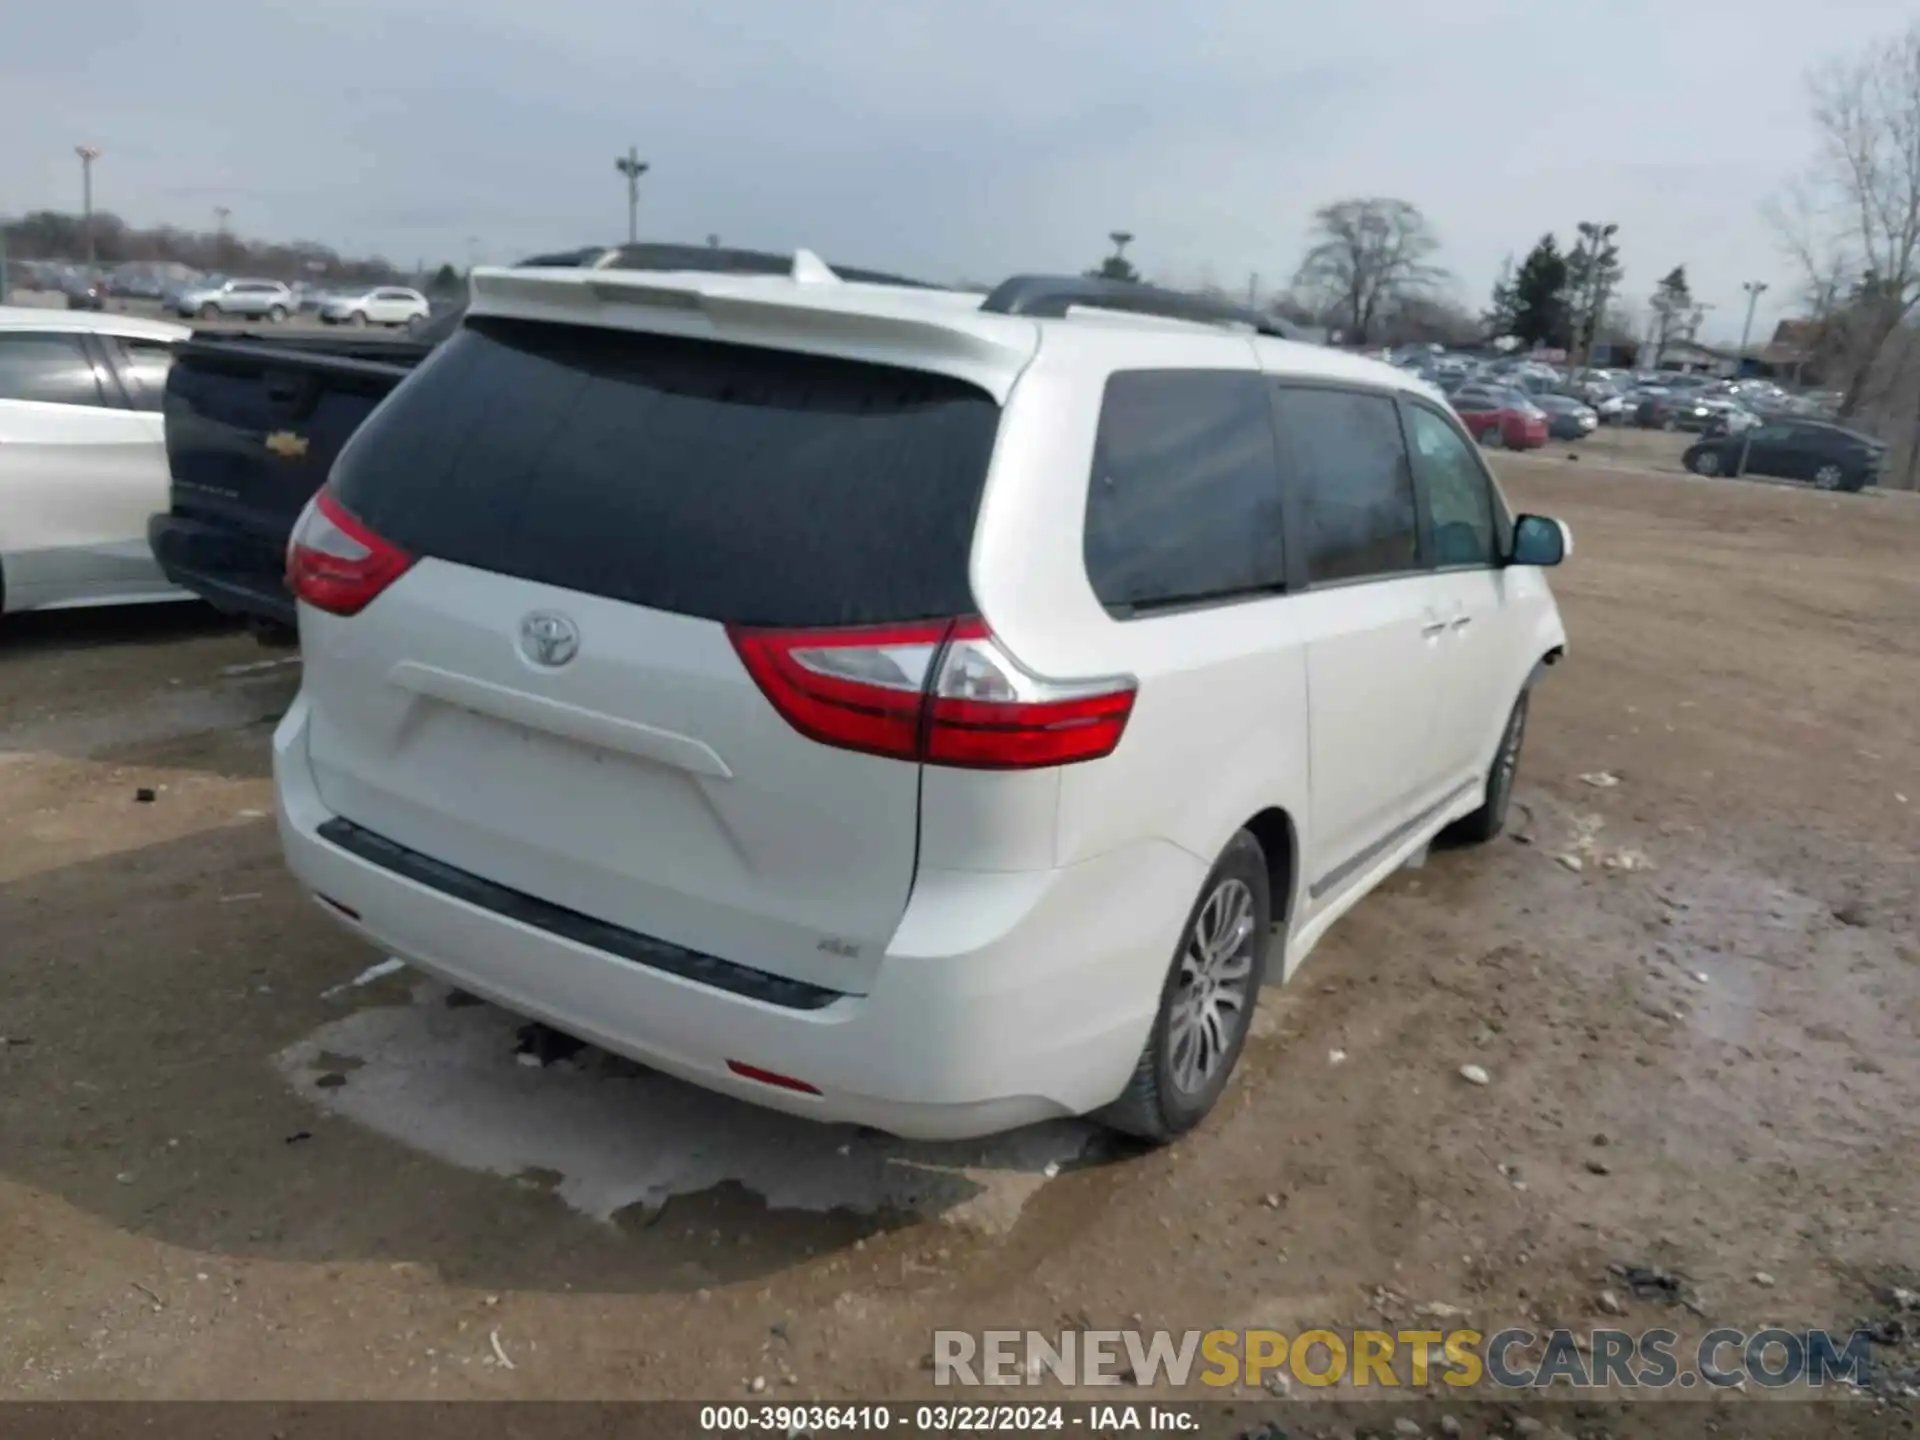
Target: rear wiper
(1205,597)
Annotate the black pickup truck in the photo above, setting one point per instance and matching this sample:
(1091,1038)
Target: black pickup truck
(253,424)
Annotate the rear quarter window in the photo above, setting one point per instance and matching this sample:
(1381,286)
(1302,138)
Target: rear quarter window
(721,481)
(1184,502)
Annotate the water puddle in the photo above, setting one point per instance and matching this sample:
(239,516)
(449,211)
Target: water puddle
(608,1136)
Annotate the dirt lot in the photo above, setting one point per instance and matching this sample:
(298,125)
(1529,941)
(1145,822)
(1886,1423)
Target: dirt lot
(228,1169)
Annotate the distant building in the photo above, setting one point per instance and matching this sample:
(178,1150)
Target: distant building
(1791,348)
(1692,358)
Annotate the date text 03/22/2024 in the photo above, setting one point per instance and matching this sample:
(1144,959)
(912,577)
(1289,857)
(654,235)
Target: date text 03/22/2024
(956,1419)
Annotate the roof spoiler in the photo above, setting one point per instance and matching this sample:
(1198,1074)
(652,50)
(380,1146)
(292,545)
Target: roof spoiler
(817,314)
(659,255)
(1052,296)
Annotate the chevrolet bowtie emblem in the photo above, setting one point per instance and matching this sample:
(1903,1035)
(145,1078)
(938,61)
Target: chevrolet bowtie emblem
(286,444)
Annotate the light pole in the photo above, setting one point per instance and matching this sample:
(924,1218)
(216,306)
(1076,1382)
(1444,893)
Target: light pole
(88,154)
(633,167)
(1755,289)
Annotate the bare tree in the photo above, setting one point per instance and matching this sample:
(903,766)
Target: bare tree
(1367,256)
(1852,224)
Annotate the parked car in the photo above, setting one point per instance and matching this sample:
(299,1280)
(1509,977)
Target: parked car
(1676,410)
(1830,456)
(83,459)
(1728,417)
(1500,416)
(382,305)
(136,284)
(176,292)
(565,737)
(84,291)
(253,299)
(1567,418)
(1613,407)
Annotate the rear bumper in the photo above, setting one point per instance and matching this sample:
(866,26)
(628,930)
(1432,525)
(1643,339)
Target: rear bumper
(233,571)
(1003,999)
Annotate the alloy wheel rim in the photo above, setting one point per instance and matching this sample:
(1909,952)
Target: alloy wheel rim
(1216,970)
(1827,477)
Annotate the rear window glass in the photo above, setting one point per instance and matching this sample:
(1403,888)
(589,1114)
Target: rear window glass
(732,483)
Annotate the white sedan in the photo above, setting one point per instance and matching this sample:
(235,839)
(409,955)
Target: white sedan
(83,457)
(384,305)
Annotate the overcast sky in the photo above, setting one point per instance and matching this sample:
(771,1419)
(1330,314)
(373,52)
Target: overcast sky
(967,139)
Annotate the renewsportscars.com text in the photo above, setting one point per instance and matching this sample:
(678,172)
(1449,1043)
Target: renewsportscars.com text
(1512,1359)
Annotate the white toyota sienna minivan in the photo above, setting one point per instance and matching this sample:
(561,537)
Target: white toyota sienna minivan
(925,709)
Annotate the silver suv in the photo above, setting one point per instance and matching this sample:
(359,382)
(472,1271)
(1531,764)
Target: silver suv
(253,299)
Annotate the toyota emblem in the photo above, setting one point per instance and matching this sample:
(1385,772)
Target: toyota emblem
(548,639)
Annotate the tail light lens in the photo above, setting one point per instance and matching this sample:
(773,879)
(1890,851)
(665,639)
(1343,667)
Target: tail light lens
(336,563)
(944,692)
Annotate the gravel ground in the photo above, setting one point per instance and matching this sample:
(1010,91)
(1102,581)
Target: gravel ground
(240,1158)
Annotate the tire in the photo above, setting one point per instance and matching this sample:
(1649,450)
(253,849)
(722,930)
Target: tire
(358,319)
(1829,477)
(1491,818)
(1669,424)
(209,311)
(1197,1036)
(277,314)
(1491,437)
(1707,462)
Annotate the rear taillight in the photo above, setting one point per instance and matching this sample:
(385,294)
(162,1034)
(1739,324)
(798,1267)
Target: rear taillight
(945,692)
(337,563)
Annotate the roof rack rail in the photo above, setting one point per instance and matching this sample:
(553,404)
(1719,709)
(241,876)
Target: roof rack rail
(708,259)
(1052,296)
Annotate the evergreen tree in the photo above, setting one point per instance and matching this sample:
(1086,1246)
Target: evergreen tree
(1541,315)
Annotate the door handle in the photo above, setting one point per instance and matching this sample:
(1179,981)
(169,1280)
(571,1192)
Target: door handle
(1433,628)
(1460,622)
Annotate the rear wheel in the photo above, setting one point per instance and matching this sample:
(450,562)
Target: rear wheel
(1491,818)
(277,314)
(209,311)
(1206,1004)
(1828,476)
(358,319)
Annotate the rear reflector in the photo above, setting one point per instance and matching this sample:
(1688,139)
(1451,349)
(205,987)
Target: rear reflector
(769,1077)
(337,563)
(943,692)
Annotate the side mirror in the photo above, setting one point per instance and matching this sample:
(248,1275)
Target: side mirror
(1540,540)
